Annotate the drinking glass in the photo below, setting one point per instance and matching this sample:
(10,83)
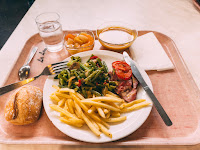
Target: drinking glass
(50,30)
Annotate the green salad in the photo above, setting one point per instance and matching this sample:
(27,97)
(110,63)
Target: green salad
(89,78)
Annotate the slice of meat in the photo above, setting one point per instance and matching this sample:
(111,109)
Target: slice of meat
(124,86)
(113,77)
(129,96)
(126,89)
(135,82)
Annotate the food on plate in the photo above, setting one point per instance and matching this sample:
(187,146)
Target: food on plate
(95,112)
(79,40)
(93,77)
(89,94)
(127,83)
(23,107)
(89,78)
(122,70)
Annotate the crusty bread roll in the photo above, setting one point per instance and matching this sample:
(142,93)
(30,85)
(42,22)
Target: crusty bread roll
(24,106)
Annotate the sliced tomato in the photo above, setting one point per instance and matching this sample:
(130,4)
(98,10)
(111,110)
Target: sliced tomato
(121,65)
(122,69)
(124,75)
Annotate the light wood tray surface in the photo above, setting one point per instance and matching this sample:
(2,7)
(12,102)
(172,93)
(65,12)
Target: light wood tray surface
(175,89)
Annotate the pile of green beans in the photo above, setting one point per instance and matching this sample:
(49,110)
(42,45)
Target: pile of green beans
(90,78)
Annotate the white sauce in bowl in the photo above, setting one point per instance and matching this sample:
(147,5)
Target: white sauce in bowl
(116,37)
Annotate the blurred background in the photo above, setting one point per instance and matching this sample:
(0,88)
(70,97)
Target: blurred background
(11,12)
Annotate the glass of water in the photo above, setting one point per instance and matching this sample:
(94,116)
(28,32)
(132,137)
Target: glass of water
(50,30)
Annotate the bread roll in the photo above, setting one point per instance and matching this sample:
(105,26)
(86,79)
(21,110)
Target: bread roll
(23,107)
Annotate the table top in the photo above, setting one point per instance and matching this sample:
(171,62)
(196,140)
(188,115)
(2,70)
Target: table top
(177,19)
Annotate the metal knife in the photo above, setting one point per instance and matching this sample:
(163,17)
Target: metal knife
(139,77)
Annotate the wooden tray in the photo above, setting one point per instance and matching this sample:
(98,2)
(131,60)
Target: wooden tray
(175,89)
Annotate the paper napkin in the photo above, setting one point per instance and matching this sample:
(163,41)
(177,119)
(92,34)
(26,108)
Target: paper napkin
(149,54)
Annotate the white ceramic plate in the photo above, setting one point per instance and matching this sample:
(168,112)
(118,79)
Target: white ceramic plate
(134,119)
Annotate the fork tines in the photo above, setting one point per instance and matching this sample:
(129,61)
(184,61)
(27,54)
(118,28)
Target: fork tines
(56,68)
(59,63)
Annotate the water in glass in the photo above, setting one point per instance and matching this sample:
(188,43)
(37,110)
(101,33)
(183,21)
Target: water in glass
(52,34)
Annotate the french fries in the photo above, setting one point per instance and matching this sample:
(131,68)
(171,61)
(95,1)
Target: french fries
(99,104)
(62,95)
(115,114)
(104,130)
(109,95)
(59,109)
(73,122)
(66,106)
(61,102)
(79,96)
(131,103)
(95,112)
(108,115)
(70,103)
(54,98)
(90,125)
(55,87)
(101,113)
(66,90)
(135,107)
(105,99)
(118,119)
(92,109)
(106,111)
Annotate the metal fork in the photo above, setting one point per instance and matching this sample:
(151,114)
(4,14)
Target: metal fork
(48,70)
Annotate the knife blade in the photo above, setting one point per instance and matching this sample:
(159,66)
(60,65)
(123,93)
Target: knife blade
(142,82)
